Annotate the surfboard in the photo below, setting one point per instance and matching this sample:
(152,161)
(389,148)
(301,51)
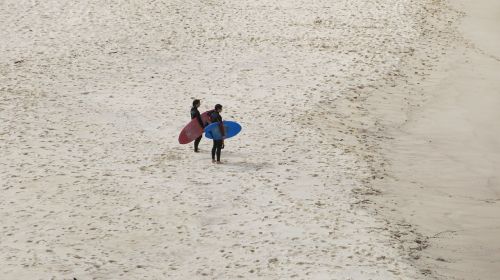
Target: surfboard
(193,129)
(212,131)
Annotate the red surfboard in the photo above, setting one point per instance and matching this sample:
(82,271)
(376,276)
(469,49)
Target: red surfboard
(193,129)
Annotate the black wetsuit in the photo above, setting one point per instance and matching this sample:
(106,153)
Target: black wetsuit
(218,144)
(196,114)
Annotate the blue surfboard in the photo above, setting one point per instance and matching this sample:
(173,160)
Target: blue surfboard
(212,131)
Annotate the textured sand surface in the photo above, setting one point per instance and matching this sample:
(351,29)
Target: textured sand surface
(445,156)
(95,186)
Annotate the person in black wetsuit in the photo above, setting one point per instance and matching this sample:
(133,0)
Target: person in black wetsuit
(196,114)
(218,144)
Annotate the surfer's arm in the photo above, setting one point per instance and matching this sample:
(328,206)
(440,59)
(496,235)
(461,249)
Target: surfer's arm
(200,121)
(221,127)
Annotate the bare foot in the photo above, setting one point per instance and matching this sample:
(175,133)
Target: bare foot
(218,162)
(213,160)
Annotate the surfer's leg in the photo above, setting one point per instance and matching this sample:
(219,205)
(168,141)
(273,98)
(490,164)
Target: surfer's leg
(214,147)
(219,148)
(196,143)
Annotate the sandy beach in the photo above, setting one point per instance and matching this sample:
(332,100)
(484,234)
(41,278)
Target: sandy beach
(330,178)
(445,153)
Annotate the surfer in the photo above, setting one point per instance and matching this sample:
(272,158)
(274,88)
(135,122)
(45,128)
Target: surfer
(218,144)
(196,114)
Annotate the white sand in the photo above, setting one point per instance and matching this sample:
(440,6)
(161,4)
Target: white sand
(92,96)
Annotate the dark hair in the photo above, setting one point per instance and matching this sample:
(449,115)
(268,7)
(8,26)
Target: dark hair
(218,106)
(196,101)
